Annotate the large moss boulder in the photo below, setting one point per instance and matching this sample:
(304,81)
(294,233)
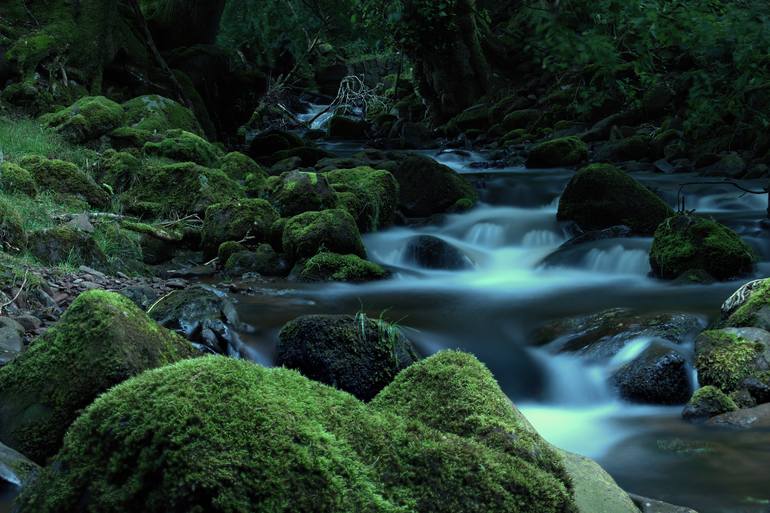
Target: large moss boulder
(370,195)
(119,169)
(427,188)
(349,352)
(296,192)
(686,242)
(65,178)
(183,146)
(156,114)
(333,230)
(238,166)
(86,119)
(181,189)
(221,435)
(14,179)
(236,220)
(65,244)
(562,152)
(727,357)
(101,340)
(327,266)
(600,196)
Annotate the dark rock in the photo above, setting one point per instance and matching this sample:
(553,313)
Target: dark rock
(263,260)
(427,187)
(646,505)
(758,388)
(54,246)
(142,296)
(432,252)
(750,418)
(658,376)
(347,127)
(613,232)
(353,353)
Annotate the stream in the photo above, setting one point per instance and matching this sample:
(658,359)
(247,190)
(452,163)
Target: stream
(493,308)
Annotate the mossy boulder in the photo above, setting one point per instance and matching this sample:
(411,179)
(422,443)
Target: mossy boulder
(226,435)
(65,178)
(119,169)
(370,195)
(262,260)
(157,114)
(686,242)
(334,267)
(238,166)
(86,119)
(234,221)
(522,119)
(725,358)
(101,340)
(350,352)
(346,127)
(636,147)
(228,249)
(297,191)
(134,139)
(561,152)
(13,238)
(333,230)
(474,118)
(183,146)
(64,244)
(708,402)
(14,179)
(601,196)
(427,187)
(748,307)
(182,189)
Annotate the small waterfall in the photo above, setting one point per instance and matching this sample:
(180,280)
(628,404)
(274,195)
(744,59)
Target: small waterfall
(617,260)
(488,235)
(572,382)
(541,238)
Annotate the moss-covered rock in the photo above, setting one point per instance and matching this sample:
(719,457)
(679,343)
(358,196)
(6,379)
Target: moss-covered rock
(370,195)
(334,267)
(636,147)
(15,179)
(88,118)
(297,191)
(238,166)
(333,230)
(157,114)
(125,138)
(235,220)
(65,178)
(522,119)
(725,358)
(228,249)
(227,435)
(352,353)
(346,127)
(183,189)
(119,169)
(263,260)
(474,118)
(600,196)
(183,146)
(749,306)
(562,152)
(687,242)
(708,402)
(63,244)
(101,340)
(13,238)
(427,187)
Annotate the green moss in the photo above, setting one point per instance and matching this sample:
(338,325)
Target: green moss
(297,191)
(22,136)
(427,187)
(562,152)
(86,119)
(65,245)
(228,249)
(65,178)
(521,119)
(235,221)
(15,179)
(119,169)
(714,396)
(101,340)
(747,314)
(157,114)
(131,138)
(221,435)
(238,166)
(182,189)
(12,235)
(686,242)
(333,267)
(121,247)
(724,359)
(184,146)
(370,195)
(475,118)
(334,230)
(600,196)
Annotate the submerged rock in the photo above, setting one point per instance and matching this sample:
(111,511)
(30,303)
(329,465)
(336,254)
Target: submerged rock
(432,252)
(353,353)
(101,340)
(602,196)
(228,435)
(686,243)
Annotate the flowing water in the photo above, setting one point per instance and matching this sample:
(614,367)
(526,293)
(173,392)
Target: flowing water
(492,308)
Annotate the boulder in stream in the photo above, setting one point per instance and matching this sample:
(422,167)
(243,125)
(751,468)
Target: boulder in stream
(659,375)
(749,306)
(707,402)
(430,252)
(427,188)
(327,266)
(725,358)
(561,152)
(296,192)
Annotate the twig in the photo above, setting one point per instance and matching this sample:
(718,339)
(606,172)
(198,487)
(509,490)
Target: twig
(21,289)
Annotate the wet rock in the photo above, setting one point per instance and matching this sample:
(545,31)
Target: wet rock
(432,252)
(758,388)
(347,127)
(427,187)
(595,490)
(686,242)
(636,147)
(142,296)
(15,468)
(707,402)
(646,505)
(613,232)
(749,418)
(658,376)
(204,315)
(28,322)
(352,353)
(263,260)
(602,196)
(729,165)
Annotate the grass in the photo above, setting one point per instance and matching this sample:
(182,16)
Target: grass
(23,136)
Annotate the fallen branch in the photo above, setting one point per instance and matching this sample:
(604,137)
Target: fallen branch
(18,293)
